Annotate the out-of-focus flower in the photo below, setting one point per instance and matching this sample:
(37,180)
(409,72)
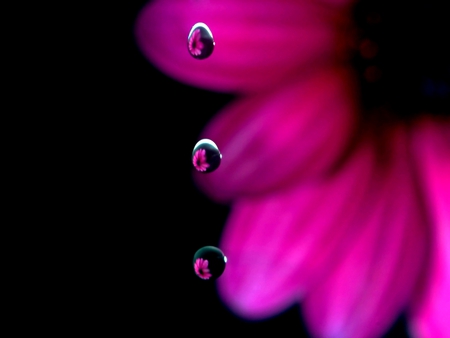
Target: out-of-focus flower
(338,178)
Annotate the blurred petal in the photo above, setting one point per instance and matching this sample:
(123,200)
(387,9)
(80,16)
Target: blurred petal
(432,146)
(337,3)
(373,283)
(268,140)
(258,43)
(278,246)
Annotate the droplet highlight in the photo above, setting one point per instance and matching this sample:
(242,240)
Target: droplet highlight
(206,156)
(200,41)
(209,262)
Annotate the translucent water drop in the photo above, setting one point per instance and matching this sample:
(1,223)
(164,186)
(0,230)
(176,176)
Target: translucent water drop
(209,263)
(200,41)
(206,156)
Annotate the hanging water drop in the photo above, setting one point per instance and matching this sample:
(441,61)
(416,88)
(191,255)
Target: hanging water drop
(206,156)
(209,263)
(200,41)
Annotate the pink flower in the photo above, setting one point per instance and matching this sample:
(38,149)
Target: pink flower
(338,202)
(195,45)
(199,160)
(201,268)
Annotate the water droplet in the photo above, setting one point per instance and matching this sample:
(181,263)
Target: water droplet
(200,41)
(206,156)
(209,262)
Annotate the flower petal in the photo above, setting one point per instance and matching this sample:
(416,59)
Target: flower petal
(266,141)
(279,245)
(432,146)
(370,288)
(257,43)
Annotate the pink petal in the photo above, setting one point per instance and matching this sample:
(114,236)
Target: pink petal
(268,140)
(279,245)
(258,43)
(372,285)
(431,317)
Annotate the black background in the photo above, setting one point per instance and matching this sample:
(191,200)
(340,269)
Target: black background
(125,218)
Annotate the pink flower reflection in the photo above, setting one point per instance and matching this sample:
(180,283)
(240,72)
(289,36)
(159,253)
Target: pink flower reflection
(199,160)
(343,212)
(201,268)
(195,43)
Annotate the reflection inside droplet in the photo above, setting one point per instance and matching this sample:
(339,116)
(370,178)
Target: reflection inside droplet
(200,41)
(209,263)
(206,156)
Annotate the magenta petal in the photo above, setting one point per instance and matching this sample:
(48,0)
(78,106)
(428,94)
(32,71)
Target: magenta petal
(374,282)
(268,140)
(279,245)
(258,43)
(431,318)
